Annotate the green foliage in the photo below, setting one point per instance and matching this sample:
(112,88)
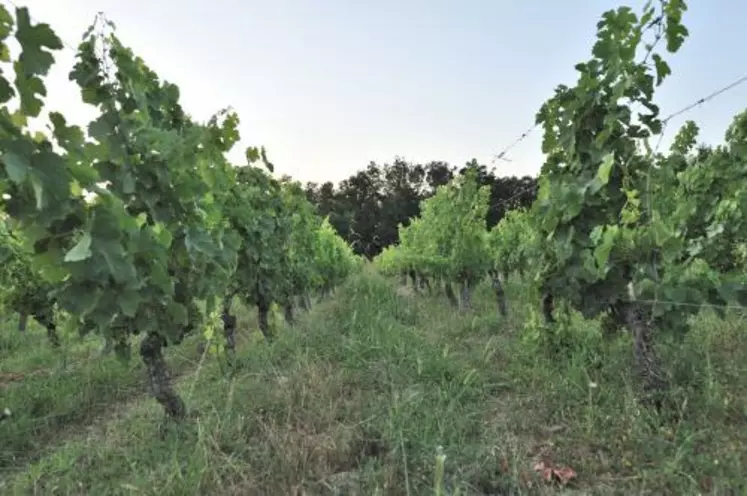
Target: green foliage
(514,242)
(368,206)
(138,224)
(449,239)
(590,184)
(22,290)
(256,212)
(614,221)
(286,250)
(304,266)
(141,217)
(700,209)
(334,257)
(155,247)
(613,214)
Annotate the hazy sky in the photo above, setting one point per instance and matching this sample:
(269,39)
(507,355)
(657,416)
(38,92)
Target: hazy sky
(329,85)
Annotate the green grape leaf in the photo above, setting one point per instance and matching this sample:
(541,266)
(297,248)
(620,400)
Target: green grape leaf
(16,166)
(82,249)
(603,173)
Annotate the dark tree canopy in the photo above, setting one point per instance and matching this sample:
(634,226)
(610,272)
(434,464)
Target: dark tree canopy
(367,207)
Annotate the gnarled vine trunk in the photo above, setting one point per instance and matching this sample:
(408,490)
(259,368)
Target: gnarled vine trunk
(23,320)
(449,290)
(151,352)
(288,312)
(425,283)
(325,292)
(304,302)
(46,318)
(500,294)
(414,280)
(229,323)
(649,366)
(263,312)
(548,306)
(465,295)
(108,347)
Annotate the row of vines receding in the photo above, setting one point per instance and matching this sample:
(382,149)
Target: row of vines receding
(137,224)
(620,230)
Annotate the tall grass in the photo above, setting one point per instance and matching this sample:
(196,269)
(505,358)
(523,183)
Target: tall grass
(381,391)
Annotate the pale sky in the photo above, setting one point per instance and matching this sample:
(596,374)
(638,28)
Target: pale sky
(329,85)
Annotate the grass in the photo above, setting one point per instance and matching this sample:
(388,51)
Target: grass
(360,395)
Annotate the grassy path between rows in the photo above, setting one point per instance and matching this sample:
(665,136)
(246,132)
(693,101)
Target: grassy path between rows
(359,397)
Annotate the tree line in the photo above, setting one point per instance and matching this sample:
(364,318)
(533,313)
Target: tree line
(367,207)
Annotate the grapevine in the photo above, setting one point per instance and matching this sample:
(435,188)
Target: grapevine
(621,224)
(448,241)
(619,230)
(139,223)
(23,291)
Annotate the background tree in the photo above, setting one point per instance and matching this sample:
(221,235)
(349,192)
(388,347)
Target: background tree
(367,208)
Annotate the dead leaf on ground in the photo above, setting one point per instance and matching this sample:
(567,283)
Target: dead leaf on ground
(555,428)
(8,377)
(551,472)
